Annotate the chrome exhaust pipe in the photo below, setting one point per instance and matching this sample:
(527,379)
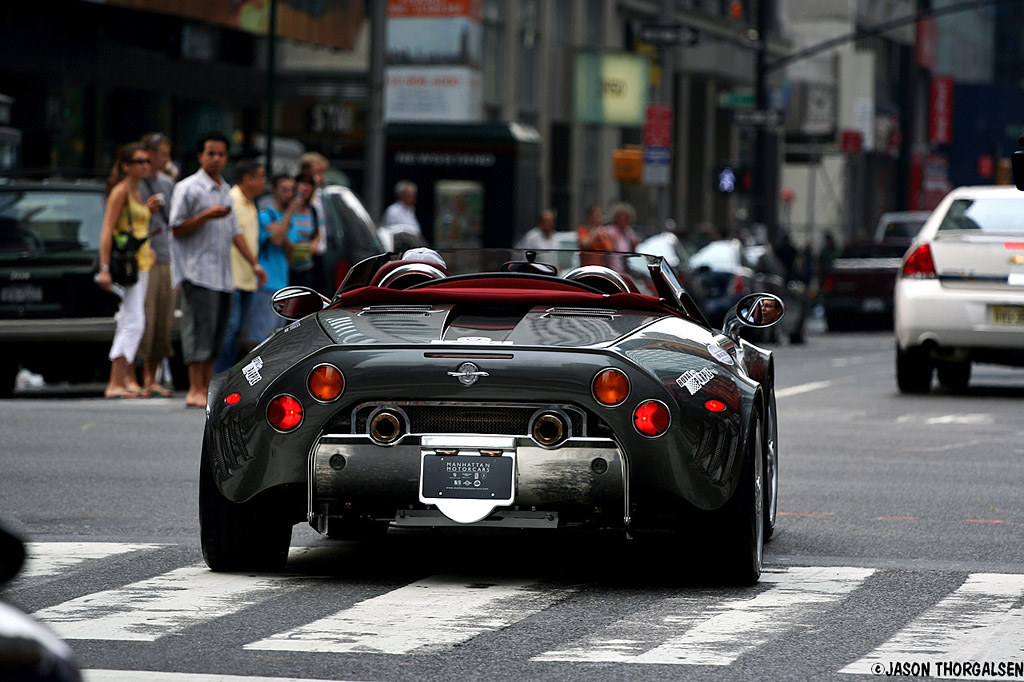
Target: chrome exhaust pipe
(386,427)
(550,428)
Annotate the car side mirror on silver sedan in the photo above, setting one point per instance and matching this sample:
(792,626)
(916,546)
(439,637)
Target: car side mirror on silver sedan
(753,310)
(293,303)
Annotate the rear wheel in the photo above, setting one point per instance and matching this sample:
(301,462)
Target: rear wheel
(251,536)
(740,528)
(954,375)
(913,370)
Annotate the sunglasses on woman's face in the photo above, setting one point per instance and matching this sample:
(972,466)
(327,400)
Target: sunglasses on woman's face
(139,161)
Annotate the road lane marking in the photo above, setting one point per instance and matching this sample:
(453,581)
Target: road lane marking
(432,614)
(147,676)
(969,418)
(45,559)
(168,603)
(977,622)
(718,633)
(802,388)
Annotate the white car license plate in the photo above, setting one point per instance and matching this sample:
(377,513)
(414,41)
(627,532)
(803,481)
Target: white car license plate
(1010,315)
(21,293)
(872,305)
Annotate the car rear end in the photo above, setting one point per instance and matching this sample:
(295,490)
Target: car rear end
(960,295)
(858,290)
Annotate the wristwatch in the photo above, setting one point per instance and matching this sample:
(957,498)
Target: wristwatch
(104,268)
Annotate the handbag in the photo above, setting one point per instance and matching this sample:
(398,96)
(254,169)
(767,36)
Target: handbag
(124,255)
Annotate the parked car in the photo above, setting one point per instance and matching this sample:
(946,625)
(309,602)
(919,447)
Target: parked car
(54,320)
(499,395)
(900,226)
(857,292)
(960,295)
(726,270)
(351,234)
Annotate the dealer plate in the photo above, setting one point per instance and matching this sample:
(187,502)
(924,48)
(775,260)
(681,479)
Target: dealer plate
(1009,315)
(21,293)
(466,477)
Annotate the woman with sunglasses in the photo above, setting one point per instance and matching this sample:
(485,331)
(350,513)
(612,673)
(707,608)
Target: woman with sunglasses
(126,212)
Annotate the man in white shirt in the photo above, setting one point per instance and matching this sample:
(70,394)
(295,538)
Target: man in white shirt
(543,235)
(403,211)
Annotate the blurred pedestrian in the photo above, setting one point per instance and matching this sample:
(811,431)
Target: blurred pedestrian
(160,295)
(316,165)
(619,234)
(251,184)
(826,256)
(541,236)
(589,235)
(275,251)
(303,233)
(204,228)
(127,215)
(403,211)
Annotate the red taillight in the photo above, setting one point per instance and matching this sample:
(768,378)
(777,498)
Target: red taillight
(284,413)
(233,398)
(651,418)
(739,284)
(919,264)
(610,387)
(714,406)
(828,283)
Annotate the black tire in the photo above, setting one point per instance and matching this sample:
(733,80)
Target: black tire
(8,373)
(913,370)
(954,375)
(740,529)
(771,466)
(251,536)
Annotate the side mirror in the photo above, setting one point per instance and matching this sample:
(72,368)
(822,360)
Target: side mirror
(293,303)
(754,310)
(1017,160)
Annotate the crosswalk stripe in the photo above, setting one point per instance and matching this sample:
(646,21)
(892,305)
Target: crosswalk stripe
(432,614)
(977,622)
(147,676)
(150,609)
(45,559)
(720,633)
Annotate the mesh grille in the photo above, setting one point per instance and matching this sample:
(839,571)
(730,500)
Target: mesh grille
(229,449)
(507,420)
(716,453)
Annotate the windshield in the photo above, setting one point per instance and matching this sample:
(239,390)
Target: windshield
(996,214)
(50,219)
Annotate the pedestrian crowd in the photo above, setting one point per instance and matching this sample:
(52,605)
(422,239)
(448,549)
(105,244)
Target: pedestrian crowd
(200,245)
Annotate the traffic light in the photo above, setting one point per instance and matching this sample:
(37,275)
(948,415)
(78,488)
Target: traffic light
(730,179)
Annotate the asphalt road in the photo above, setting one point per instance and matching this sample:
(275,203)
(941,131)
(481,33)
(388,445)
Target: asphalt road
(900,543)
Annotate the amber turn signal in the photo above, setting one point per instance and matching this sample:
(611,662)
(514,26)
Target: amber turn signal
(325,383)
(610,387)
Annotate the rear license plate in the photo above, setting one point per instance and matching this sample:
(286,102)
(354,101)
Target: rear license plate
(21,293)
(1010,315)
(466,477)
(872,305)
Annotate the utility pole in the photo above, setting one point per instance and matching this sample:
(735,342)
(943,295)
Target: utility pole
(765,161)
(374,178)
(271,76)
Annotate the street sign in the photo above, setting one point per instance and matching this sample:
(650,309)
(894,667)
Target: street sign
(757,118)
(736,99)
(669,34)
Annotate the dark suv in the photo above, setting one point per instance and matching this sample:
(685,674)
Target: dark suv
(54,320)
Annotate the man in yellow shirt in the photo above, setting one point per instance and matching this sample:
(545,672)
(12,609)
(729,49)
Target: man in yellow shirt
(251,184)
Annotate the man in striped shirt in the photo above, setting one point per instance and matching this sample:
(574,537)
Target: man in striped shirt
(203,228)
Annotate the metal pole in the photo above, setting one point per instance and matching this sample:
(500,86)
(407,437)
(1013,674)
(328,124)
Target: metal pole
(271,75)
(764,161)
(374,176)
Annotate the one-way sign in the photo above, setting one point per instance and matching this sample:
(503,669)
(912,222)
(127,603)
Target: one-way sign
(669,34)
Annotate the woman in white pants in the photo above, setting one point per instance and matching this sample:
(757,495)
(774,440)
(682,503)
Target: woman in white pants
(126,213)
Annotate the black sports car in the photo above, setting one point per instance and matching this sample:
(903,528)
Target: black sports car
(487,389)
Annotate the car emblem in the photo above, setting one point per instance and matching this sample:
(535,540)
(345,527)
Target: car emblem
(1016,260)
(468,374)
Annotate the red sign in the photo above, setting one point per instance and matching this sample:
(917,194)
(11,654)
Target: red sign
(851,141)
(940,110)
(986,166)
(658,126)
